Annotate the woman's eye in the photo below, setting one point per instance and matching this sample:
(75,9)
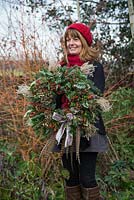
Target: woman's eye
(67,39)
(76,38)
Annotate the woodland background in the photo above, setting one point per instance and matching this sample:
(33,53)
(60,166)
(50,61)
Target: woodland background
(24,49)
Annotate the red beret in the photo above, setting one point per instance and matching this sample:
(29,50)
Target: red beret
(84,30)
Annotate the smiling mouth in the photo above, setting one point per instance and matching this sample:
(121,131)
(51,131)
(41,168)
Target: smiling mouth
(72,48)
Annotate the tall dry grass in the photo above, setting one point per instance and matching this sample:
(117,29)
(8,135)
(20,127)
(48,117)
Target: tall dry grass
(26,48)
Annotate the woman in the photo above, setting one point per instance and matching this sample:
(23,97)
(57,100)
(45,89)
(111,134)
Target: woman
(82,182)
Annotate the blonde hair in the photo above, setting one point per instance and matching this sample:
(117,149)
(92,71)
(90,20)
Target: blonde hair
(87,53)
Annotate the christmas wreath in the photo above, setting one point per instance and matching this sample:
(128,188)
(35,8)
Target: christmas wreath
(85,103)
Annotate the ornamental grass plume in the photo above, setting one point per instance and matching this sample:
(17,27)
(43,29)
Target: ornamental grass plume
(24,90)
(104,104)
(87,68)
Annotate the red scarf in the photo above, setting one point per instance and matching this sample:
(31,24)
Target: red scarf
(72,60)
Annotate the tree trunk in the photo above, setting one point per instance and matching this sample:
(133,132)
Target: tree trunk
(131,16)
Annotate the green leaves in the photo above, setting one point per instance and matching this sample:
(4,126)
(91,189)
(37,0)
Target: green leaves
(80,85)
(19,179)
(119,123)
(123,103)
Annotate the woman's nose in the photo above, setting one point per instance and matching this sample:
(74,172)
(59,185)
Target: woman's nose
(71,41)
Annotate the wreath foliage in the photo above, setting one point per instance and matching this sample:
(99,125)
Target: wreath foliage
(83,99)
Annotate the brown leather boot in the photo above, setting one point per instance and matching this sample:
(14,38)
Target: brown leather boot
(91,193)
(73,193)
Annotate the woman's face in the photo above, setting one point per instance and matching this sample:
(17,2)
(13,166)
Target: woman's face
(74,45)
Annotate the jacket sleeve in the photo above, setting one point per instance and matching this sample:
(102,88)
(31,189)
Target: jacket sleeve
(99,78)
(99,81)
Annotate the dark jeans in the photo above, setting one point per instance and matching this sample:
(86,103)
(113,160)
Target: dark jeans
(83,173)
